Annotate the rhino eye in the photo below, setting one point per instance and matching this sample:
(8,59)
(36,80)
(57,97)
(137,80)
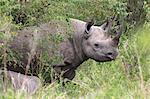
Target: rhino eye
(96,45)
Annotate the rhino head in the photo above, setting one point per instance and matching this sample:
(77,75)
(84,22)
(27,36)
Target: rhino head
(98,44)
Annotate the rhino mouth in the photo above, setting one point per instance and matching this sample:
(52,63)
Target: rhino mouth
(107,60)
(104,59)
(110,58)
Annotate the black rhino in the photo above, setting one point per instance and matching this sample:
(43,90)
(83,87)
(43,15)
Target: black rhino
(86,41)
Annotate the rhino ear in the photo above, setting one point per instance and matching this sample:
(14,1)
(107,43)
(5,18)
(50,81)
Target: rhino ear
(108,23)
(88,26)
(87,29)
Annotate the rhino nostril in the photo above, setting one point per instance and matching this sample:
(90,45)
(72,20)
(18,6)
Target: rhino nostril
(110,53)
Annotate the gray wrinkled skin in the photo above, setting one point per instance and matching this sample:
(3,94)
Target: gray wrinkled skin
(27,84)
(87,41)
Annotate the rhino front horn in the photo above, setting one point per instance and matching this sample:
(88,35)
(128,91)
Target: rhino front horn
(118,31)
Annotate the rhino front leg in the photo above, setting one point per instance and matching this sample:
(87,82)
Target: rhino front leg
(63,71)
(69,74)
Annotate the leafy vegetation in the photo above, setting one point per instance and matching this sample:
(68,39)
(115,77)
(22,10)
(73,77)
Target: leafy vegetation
(126,77)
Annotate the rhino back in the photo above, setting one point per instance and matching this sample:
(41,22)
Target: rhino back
(40,42)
